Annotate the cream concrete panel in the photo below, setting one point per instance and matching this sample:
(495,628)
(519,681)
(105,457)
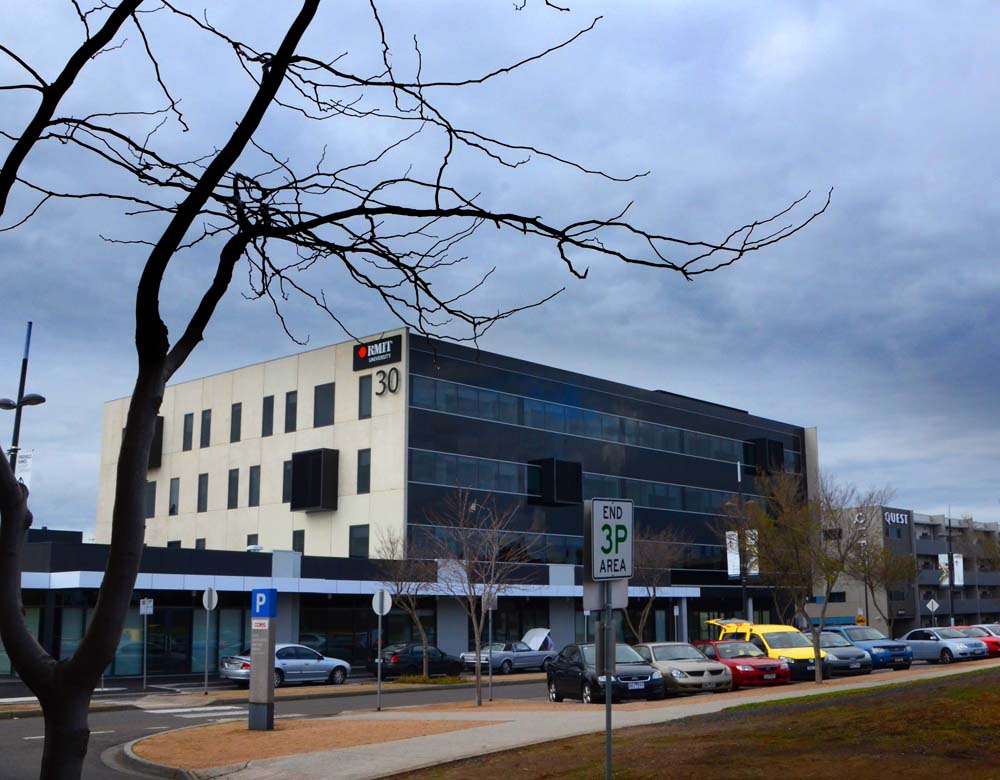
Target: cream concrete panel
(315,368)
(388,512)
(319,528)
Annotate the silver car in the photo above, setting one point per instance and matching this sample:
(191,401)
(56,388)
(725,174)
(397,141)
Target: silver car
(292,664)
(943,645)
(685,668)
(534,651)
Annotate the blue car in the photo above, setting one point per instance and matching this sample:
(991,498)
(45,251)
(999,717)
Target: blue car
(886,653)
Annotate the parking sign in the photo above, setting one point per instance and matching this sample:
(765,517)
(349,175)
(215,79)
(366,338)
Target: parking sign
(610,539)
(264,603)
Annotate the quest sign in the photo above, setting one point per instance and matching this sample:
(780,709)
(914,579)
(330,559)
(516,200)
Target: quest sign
(896,516)
(378,353)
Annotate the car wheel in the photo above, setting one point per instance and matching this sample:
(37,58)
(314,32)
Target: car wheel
(553,693)
(587,694)
(946,656)
(338,676)
(279,678)
(506,667)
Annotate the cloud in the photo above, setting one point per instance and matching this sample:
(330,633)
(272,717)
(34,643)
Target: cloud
(877,324)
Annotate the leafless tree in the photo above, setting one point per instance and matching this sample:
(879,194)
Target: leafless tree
(654,556)
(882,570)
(393,226)
(479,558)
(408,579)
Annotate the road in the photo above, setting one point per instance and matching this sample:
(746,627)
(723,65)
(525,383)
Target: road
(21,739)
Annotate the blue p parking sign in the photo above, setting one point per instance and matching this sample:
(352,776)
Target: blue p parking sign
(264,603)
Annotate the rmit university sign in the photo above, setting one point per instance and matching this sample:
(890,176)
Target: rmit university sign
(896,516)
(378,353)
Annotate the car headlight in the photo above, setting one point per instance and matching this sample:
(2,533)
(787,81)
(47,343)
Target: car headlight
(677,673)
(602,679)
(657,675)
(783,666)
(786,659)
(742,668)
(879,650)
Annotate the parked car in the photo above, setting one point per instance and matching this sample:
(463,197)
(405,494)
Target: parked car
(534,651)
(978,632)
(884,652)
(943,645)
(842,657)
(783,643)
(408,659)
(573,675)
(685,668)
(748,665)
(292,664)
(992,628)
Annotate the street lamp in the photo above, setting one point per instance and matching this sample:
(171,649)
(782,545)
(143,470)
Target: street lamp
(31,399)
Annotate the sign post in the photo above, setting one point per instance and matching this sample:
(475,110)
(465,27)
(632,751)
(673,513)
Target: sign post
(932,605)
(381,603)
(608,545)
(145,609)
(263,611)
(209,600)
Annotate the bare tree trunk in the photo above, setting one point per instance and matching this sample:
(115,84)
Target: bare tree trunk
(423,641)
(477,637)
(67,733)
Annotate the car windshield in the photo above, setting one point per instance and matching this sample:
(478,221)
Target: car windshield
(780,640)
(623,655)
(864,634)
(950,633)
(738,650)
(993,628)
(974,631)
(832,640)
(677,653)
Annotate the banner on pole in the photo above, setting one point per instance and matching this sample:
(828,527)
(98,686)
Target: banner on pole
(23,467)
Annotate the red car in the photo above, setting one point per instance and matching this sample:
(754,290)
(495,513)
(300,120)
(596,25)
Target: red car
(992,642)
(750,666)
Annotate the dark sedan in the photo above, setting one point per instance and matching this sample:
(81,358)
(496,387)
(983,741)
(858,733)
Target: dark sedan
(403,659)
(573,675)
(843,657)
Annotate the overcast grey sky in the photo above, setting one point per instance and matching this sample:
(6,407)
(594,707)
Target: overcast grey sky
(876,324)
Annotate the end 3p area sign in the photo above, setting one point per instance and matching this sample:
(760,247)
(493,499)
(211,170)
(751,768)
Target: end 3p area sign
(610,543)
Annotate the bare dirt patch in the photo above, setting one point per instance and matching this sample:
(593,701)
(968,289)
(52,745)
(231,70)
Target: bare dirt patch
(221,744)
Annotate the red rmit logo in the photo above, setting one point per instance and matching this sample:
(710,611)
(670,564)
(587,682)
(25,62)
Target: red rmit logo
(362,351)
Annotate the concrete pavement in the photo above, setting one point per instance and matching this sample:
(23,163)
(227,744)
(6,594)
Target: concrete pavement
(508,725)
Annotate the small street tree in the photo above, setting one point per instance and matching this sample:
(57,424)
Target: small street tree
(387,213)
(409,580)
(654,555)
(479,557)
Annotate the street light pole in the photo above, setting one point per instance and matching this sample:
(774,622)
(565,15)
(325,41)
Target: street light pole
(20,401)
(951,573)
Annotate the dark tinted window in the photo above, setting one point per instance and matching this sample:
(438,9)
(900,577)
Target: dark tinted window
(286,653)
(174,545)
(150,499)
(233,495)
(299,541)
(254,498)
(364,397)
(203,492)
(206,428)
(267,416)
(188,431)
(364,470)
(175,496)
(199,544)
(323,400)
(358,547)
(286,482)
(251,540)
(291,410)
(235,422)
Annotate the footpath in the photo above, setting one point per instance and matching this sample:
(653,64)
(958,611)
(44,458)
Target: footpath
(410,738)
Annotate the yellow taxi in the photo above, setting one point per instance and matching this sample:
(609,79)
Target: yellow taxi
(785,643)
